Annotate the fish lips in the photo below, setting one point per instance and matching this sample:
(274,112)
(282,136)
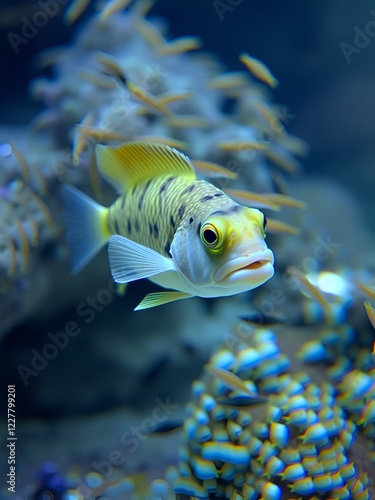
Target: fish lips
(254,269)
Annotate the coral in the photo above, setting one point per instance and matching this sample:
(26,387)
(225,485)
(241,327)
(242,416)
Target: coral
(280,410)
(257,428)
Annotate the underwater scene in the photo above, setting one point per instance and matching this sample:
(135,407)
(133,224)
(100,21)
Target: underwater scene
(187,250)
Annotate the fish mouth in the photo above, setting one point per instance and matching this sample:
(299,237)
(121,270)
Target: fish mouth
(255,268)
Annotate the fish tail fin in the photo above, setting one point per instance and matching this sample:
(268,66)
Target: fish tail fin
(87,227)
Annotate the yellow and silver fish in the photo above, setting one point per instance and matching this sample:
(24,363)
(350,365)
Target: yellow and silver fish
(167,225)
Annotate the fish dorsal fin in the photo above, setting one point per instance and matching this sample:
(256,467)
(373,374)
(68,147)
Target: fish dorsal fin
(133,162)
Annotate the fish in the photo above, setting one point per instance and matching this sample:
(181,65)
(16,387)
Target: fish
(284,200)
(229,379)
(367,290)
(227,80)
(24,245)
(313,290)
(276,226)
(149,32)
(74,10)
(259,70)
(43,208)
(21,161)
(213,169)
(240,145)
(173,97)
(141,7)
(12,256)
(97,134)
(179,45)
(113,6)
(111,65)
(186,121)
(148,99)
(182,233)
(34,230)
(370,312)
(98,79)
(269,115)
(282,159)
(252,199)
(80,139)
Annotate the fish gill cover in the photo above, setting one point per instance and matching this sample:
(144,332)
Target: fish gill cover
(284,408)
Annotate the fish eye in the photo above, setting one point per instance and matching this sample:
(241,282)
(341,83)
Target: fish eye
(210,235)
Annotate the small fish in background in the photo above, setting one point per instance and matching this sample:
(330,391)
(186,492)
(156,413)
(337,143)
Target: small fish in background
(167,225)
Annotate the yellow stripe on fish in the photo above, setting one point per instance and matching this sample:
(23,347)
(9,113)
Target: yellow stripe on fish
(167,225)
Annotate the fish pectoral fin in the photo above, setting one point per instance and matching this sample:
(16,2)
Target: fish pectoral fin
(132,261)
(160,298)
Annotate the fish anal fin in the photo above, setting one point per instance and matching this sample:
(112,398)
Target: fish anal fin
(159,298)
(253,200)
(133,162)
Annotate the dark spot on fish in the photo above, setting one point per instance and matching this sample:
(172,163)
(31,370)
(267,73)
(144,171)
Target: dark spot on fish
(199,228)
(235,208)
(129,227)
(167,248)
(165,184)
(191,220)
(136,225)
(218,194)
(123,202)
(206,198)
(156,230)
(181,211)
(116,227)
(150,226)
(188,190)
(172,222)
(143,195)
